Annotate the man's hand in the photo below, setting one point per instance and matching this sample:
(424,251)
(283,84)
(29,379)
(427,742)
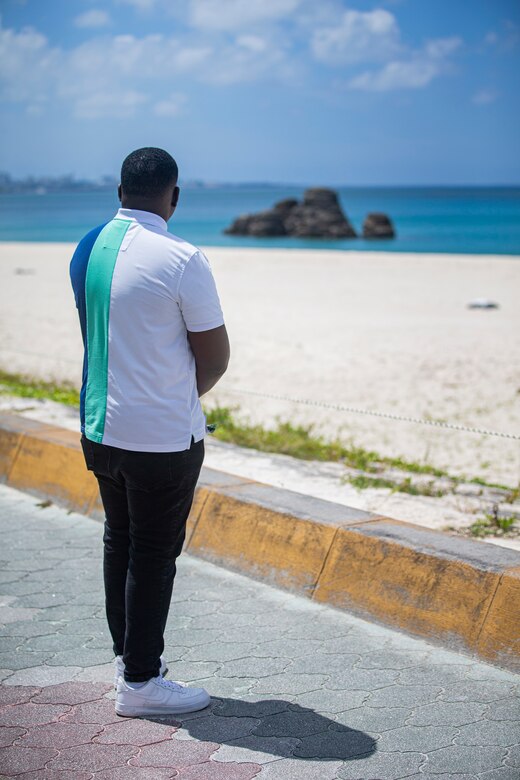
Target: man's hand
(211,351)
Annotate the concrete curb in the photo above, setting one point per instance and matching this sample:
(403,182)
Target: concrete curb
(457,592)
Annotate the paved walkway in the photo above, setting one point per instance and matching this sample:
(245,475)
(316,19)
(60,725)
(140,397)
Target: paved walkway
(300,691)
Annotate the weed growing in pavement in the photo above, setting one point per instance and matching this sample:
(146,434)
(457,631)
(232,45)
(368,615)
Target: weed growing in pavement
(513,492)
(406,485)
(513,495)
(492,524)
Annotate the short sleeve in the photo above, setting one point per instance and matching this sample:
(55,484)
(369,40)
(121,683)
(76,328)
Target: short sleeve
(198,296)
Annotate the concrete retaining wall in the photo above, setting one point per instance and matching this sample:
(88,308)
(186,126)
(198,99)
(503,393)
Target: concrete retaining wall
(456,592)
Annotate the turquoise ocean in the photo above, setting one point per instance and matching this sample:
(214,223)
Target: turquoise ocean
(468,220)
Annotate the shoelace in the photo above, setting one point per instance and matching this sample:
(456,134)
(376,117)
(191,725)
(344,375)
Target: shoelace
(169,684)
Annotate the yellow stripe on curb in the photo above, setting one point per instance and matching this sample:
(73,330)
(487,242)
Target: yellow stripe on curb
(274,535)
(499,640)
(13,429)
(9,446)
(416,590)
(279,549)
(50,462)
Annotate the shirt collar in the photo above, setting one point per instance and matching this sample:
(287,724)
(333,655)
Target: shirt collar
(143,217)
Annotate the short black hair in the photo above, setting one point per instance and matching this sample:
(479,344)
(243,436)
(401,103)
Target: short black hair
(148,172)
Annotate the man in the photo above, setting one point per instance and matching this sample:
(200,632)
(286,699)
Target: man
(155,341)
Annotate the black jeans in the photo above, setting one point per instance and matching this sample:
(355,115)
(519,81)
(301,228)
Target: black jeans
(147,497)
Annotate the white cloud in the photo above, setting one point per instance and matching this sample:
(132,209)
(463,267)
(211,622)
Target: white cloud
(191,58)
(91,77)
(374,36)
(512,34)
(358,37)
(438,48)
(91,19)
(491,38)
(27,64)
(252,42)
(247,59)
(120,104)
(115,75)
(508,37)
(123,57)
(172,106)
(396,75)
(237,14)
(140,5)
(484,97)
(412,73)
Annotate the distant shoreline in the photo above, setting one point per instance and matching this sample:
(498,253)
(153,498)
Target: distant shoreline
(67,185)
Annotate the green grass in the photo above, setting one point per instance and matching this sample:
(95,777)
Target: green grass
(24,387)
(287,439)
(494,525)
(299,441)
(479,481)
(513,494)
(404,486)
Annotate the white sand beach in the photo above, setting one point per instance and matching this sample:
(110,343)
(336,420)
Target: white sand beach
(379,331)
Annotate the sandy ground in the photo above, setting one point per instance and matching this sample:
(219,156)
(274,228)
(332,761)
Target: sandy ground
(380,331)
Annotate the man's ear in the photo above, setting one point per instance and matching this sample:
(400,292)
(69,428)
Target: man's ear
(119,192)
(175,196)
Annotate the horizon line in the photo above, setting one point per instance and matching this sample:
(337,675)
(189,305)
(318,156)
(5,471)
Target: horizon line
(104,180)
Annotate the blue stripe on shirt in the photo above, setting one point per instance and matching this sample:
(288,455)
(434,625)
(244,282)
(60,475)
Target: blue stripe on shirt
(78,274)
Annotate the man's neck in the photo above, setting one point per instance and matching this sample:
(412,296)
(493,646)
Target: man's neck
(141,205)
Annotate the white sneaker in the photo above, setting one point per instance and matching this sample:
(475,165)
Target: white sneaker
(119,668)
(158,697)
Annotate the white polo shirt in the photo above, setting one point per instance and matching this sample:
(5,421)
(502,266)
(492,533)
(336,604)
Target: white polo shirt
(138,290)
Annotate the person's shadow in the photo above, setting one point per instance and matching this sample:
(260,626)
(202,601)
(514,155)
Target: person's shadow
(277,727)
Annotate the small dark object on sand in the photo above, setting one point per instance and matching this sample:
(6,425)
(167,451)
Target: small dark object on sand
(482,303)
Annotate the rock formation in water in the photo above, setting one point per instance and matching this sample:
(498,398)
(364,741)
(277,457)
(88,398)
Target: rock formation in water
(319,215)
(378,225)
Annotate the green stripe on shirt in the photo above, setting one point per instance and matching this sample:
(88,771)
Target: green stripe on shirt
(98,286)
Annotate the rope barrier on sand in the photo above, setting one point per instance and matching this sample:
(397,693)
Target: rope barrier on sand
(327,405)
(355,410)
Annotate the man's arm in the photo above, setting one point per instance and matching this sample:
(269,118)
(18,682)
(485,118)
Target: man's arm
(211,351)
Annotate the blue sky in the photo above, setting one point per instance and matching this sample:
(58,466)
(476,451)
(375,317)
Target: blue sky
(322,91)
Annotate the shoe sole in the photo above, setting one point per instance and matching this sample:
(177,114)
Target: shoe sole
(129,711)
(163,674)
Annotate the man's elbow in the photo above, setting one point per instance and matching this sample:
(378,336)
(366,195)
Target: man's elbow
(220,366)
(217,366)
(222,358)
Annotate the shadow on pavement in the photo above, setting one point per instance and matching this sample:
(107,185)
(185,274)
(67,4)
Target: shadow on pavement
(320,738)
